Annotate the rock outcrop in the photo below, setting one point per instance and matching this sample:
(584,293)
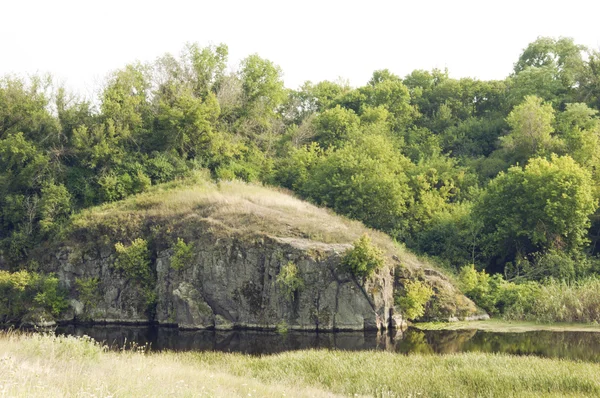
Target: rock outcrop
(240,237)
(232,283)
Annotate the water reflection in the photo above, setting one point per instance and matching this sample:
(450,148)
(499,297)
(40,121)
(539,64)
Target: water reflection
(571,345)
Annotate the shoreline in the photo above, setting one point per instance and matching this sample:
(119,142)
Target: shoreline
(502,326)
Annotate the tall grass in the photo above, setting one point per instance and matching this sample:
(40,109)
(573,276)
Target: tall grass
(49,366)
(566,302)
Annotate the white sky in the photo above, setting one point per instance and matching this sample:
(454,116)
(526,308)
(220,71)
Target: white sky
(80,41)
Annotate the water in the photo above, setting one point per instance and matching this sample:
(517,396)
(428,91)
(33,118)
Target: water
(583,346)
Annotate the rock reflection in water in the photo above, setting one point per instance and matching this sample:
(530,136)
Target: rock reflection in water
(570,345)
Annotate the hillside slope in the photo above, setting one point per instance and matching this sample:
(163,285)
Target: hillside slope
(214,254)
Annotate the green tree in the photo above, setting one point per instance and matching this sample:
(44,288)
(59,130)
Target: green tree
(415,297)
(531,126)
(552,69)
(262,86)
(55,207)
(365,180)
(579,128)
(543,206)
(335,126)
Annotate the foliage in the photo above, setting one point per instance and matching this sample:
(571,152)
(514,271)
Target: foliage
(556,301)
(335,126)
(532,124)
(89,294)
(289,280)
(543,206)
(22,292)
(133,260)
(365,180)
(364,258)
(183,254)
(425,158)
(494,294)
(414,298)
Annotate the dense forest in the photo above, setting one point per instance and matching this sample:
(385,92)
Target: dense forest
(496,180)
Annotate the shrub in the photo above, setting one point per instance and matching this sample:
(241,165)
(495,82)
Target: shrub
(476,286)
(22,292)
(88,291)
(133,260)
(416,296)
(496,295)
(289,280)
(183,254)
(364,258)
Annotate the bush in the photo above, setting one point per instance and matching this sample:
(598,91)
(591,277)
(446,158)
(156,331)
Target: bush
(134,260)
(416,296)
(289,280)
(183,254)
(88,291)
(364,258)
(496,295)
(22,292)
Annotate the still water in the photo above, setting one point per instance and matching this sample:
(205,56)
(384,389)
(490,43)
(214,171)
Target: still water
(583,346)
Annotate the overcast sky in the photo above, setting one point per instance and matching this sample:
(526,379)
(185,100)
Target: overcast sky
(80,41)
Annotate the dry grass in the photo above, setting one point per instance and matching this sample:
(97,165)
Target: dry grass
(36,366)
(246,209)
(48,366)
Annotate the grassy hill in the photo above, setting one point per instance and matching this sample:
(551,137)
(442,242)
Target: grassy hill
(194,206)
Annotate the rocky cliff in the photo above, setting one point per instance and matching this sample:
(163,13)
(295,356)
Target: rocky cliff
(232,283)
(239,238)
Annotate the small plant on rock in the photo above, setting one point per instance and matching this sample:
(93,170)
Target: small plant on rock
(133,260)
(89,293)
(412,302)
(364,258)
(183,254)
(289,280)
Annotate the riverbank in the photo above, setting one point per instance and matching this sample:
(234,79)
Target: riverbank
(49,366)
(502,326)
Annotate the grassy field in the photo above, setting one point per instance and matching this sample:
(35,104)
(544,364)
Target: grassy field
(500,325)
(49,366)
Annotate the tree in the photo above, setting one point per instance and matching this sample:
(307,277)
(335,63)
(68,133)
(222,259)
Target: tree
(365,180)
(387,90)
(208,66)
(546,205)
(579,128)
(335,126)
(125,100)
(262,86)
(23,109)
(531,124)
(553,69)
(55,207)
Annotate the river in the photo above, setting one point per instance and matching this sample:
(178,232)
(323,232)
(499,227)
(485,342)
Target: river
(583,346)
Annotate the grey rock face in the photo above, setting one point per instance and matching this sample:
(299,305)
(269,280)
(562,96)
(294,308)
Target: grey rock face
(232,283)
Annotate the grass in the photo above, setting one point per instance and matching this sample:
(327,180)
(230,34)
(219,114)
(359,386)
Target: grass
(49,366)
(567,302)
(235,206)
(500,325)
